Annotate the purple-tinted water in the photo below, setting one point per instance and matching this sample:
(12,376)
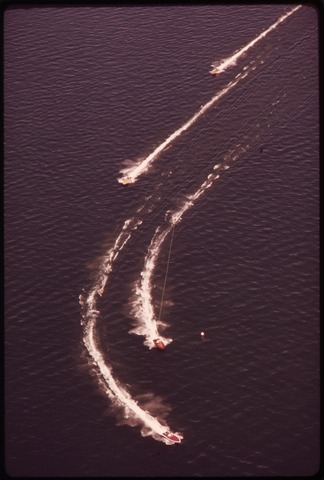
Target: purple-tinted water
(86,88)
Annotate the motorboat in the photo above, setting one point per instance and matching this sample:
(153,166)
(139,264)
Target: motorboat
(215,71)
(172,436)
(126,180)
(159,344)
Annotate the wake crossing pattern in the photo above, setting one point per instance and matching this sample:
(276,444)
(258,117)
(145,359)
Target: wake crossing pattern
(142,307)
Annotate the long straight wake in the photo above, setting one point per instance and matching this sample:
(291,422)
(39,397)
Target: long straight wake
(230,61)
(131,173)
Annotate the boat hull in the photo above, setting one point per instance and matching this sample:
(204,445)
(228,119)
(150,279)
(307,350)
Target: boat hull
(159,344)
(126,180)
(172,437)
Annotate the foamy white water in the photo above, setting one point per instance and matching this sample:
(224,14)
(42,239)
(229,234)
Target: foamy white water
(143,309)
(142,304)
(230,61)
(116,392)
(148,324)
(131,173)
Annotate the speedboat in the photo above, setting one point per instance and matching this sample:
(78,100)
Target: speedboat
(172,436)
(159,344)
(215,71)
(126,180)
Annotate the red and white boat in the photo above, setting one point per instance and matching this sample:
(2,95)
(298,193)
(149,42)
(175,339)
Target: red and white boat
(159,344)
(172,436)
(215,69)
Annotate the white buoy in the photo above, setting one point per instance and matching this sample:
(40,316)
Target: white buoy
(202,334)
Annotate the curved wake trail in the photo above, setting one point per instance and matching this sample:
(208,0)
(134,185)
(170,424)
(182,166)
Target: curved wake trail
(142,303)
(132,173)
(230,61)
(142,308)
(118,395)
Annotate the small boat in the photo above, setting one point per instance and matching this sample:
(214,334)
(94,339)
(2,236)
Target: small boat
(215,71)
(126,180)
(172,436)
(159,344)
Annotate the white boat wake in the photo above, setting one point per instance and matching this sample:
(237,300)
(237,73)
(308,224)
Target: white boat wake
(230,61)
(130,174)
(141,303)
(142,307)
(133,414)
(142,310)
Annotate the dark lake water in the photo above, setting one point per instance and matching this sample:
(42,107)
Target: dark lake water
(86,88)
